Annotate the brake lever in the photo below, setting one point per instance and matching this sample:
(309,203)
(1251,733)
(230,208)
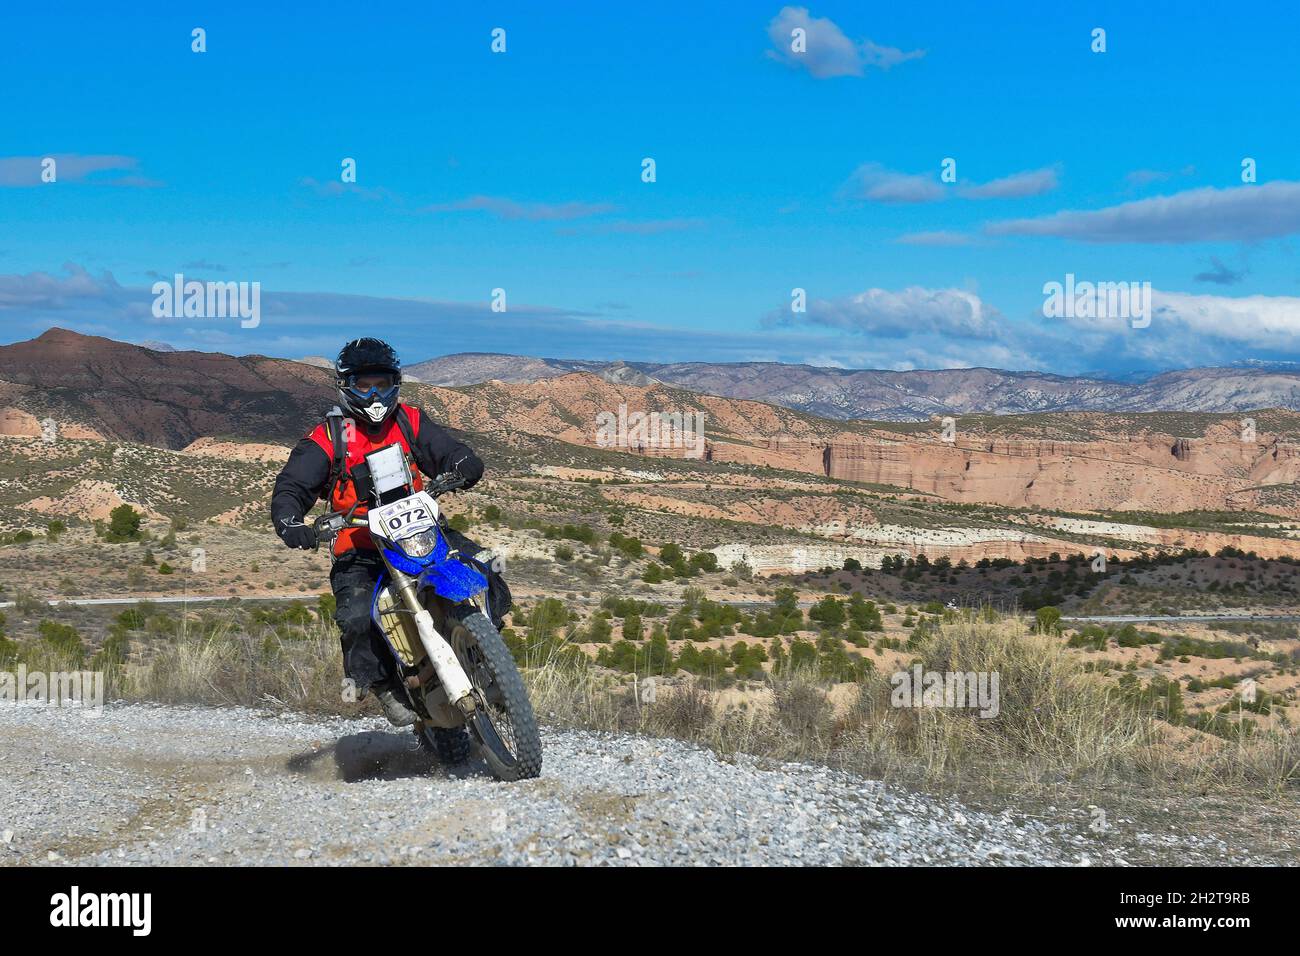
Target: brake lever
(327,526)
(447,481)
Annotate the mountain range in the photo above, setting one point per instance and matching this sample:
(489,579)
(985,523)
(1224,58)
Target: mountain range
(883,395)
(1060,460)
(171,398)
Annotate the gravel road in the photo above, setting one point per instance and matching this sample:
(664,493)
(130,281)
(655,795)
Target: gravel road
(159,784)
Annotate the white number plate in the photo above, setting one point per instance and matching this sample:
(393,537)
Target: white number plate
(401,519)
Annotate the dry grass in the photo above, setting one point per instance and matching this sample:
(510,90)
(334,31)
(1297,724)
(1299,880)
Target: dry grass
(302,672)
(1057,723)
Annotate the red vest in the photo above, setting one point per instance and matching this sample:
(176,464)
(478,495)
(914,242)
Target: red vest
(360,444)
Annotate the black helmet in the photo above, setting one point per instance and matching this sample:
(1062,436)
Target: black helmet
(360,370)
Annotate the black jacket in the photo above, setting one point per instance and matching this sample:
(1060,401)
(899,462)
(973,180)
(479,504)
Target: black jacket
(304,477)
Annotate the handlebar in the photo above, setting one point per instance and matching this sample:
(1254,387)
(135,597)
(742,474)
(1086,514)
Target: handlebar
(328,525)
(447,481)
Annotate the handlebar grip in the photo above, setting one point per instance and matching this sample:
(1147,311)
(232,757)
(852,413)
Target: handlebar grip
(447,481)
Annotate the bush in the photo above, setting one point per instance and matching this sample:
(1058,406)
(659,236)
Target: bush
(123,524)
(864,615)
(598,630)
(1047,619)
(629,546)
(545,619)
(63,639)
(1091,636)
(828,612)
(704,561)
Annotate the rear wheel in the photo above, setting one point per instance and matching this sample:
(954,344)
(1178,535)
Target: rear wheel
(503,725)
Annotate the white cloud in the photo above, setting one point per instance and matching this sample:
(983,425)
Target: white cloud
(1240,213)
(828,51)
(505,208)
(1186,330)
(874,182)
(1033,182)
(41,290)
(1145,177)
(911,311)
(918,327)
(72,168)
(1256,321)
(938,238)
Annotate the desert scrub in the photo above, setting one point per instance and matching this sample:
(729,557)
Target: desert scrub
(228,661)
(1058,721)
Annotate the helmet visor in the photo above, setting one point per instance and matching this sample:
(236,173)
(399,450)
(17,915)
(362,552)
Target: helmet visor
(371,385)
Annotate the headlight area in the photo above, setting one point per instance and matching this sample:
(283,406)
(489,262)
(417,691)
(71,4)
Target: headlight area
(420,545)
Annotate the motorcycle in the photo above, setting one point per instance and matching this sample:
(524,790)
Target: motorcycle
(431,607)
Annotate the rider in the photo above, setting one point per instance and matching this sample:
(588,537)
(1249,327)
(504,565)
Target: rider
(369,377)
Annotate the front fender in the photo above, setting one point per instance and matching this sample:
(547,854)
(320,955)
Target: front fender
(446,574)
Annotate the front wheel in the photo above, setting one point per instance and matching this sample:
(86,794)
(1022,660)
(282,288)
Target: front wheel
(503,725)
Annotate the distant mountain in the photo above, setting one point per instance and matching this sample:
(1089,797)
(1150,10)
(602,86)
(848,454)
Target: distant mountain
(471,368)
(904,396)
(160,398)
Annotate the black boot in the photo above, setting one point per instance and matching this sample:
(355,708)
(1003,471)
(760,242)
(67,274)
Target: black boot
(394,705)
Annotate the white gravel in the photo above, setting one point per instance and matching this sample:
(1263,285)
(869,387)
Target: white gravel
(187,785)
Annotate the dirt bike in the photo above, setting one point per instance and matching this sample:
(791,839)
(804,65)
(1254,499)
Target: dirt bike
(431,607)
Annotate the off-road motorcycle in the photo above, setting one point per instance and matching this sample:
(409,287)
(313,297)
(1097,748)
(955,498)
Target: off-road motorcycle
(430,604)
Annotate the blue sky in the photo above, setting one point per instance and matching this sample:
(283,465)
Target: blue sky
(775,170)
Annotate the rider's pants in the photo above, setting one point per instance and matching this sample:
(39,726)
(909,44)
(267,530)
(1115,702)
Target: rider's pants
(366,658)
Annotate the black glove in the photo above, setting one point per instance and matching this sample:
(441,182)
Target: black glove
(295,534)
(470,468)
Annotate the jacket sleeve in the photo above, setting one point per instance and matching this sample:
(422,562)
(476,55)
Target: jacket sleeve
(299,484)
(441,451)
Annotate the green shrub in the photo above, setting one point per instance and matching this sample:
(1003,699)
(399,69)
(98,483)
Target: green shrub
(62,638)
(704,561)
(1047,619)
(123,524)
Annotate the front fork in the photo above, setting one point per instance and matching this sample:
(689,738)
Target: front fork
(445,663)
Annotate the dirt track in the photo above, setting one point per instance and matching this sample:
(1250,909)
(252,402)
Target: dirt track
(173,785)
